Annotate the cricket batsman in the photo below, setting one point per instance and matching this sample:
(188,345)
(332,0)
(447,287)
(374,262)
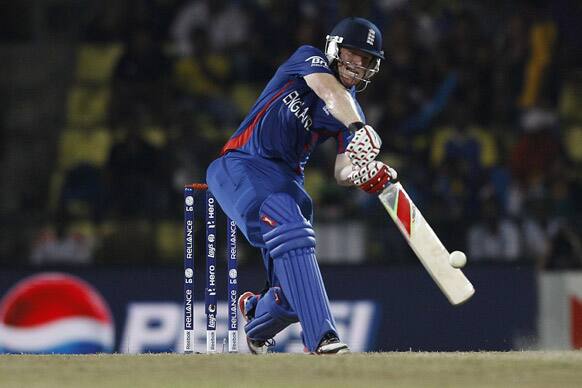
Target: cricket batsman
(259,182)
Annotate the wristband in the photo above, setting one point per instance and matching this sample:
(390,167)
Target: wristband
(353,127)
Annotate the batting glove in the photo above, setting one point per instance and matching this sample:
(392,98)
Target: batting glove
(364,147)
(373,177)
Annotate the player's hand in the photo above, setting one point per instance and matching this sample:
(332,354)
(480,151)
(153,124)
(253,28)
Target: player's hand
(364,147)
(373,177)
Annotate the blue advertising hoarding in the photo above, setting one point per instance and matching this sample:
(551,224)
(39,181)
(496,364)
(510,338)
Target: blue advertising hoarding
(377,308)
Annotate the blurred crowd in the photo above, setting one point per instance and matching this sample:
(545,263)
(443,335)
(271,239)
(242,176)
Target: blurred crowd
(478,105)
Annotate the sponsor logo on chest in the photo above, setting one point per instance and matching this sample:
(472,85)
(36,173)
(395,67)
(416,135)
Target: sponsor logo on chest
(296,106)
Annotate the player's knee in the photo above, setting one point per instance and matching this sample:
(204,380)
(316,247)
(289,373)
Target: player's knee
(284,227)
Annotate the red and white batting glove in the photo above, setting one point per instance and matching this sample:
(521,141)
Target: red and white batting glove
(373,177)
(364,146)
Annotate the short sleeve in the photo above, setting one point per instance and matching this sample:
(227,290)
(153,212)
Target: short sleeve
(306,60)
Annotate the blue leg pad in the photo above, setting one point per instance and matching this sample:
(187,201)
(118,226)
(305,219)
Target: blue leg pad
(290,240)
(273,313)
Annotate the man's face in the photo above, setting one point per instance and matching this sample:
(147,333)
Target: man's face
(352,66)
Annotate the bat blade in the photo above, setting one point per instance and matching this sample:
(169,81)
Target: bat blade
(426,245)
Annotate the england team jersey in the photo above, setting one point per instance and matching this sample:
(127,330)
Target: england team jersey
(288,121)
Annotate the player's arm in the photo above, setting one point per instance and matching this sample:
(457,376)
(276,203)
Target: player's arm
(342,106)
(357,166)
(343,169)
(337,99)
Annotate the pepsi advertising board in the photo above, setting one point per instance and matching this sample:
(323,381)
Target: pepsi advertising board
(55,313)
(131,310)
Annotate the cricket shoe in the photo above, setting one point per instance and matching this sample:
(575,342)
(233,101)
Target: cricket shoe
(330,344)
(247,303)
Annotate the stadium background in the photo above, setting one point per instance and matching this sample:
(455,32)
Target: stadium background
(111,106)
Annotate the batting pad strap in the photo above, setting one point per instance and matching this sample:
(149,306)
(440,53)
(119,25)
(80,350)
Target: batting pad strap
(287,237)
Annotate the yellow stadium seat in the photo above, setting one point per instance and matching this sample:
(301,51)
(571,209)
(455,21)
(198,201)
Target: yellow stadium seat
(84,228)
(169,240)
(571,99)
(82,146)
(87,145)
(190,78)
(437,149)
(489,152)
(96,62)
(244,96)
(88,105)
(573,143)
(156,136)
(315,183)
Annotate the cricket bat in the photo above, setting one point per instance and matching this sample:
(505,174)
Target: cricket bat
(426,245)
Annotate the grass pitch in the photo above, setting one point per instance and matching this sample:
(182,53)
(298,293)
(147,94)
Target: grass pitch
(480,369)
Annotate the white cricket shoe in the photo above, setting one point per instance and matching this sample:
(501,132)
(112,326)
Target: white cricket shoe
(331,345)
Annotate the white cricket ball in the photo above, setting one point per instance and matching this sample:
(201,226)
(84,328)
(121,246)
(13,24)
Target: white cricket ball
(457,259)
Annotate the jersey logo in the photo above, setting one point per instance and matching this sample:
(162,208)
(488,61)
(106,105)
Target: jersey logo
(317,61)
(268,220)
(296,107)
(371,37)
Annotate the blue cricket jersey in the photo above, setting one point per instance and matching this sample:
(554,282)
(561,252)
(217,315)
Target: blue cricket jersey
(288,121)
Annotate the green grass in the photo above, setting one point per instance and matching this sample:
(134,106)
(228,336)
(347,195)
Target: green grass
(467,370)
